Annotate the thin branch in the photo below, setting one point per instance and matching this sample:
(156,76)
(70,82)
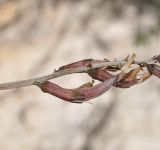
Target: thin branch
(29,82)
(58,73)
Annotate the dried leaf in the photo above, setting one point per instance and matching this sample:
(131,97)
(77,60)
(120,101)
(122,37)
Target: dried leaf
(87,85)
(126,67)
(131,79)
(144,77)
(129,63)
(131,75)
(126,59)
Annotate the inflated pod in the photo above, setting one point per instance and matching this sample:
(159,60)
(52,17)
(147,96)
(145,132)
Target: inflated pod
(77,95)
(82,63)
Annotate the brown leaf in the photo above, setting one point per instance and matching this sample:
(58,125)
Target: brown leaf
(126,67)
(129,63)
(126,59)
(131,78)
(132,74)
(144,77)
(86,85)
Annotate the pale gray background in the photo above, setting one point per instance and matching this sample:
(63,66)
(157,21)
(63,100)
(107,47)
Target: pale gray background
(37,36)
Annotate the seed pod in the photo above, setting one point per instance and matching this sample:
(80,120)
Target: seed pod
(100,74)
(82,63)
(77,95)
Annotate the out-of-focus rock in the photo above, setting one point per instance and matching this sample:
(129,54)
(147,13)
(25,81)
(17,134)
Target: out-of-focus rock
(37,36)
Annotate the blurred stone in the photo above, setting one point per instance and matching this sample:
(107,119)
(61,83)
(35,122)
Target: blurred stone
(39,36)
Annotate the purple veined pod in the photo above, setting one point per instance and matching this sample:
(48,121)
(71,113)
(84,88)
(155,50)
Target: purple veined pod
(103,75)
(77,95)
(82,63)
(100,74)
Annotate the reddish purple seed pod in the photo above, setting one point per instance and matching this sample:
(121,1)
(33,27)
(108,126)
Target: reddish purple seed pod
(77,95)
(100,75)
(62,93)
(98,89)
(82,63)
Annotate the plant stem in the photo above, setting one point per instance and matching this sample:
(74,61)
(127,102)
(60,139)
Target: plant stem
(83,69)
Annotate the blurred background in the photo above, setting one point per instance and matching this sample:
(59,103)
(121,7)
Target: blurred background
(38,36)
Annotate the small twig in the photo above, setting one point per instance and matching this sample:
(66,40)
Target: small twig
(83,69)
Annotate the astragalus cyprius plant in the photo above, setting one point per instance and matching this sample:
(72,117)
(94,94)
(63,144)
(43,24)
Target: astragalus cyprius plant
(118,73)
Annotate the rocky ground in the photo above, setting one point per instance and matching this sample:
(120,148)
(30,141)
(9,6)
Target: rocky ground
(38,36)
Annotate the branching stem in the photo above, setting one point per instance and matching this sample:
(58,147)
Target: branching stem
(83,69)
